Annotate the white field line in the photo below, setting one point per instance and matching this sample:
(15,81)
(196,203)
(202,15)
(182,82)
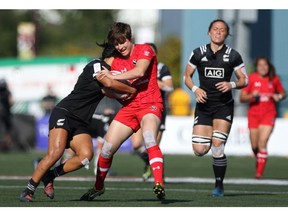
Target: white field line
(235,181)
(84,189)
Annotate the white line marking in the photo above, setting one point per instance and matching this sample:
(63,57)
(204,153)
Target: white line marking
(235,181)
(186,190)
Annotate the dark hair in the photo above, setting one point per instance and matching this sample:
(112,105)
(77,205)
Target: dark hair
(108,50)
(271,69)
(119,32)
(220,20)
(153,46)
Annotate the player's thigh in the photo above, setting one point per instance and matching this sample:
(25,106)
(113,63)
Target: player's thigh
(82,145)
(150,122)
(137,139)
(117,134)
(57,142)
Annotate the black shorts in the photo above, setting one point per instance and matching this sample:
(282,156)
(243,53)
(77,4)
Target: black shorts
(205,115)
(62,118)
(99,125)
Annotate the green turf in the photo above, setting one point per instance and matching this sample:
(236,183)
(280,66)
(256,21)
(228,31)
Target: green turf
(139,194)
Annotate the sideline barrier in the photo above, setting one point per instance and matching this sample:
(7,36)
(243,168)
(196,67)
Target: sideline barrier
(177,137)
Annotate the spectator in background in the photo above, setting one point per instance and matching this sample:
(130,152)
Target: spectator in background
(5,116)
(180,102)
(264,90)
(49,101)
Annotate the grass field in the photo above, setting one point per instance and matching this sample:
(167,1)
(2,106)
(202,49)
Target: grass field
(189,183)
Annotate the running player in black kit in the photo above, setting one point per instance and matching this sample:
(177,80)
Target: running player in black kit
(69,121)
(215,63)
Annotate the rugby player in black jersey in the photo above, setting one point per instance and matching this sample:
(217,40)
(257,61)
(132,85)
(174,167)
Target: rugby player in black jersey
(69,121)
(215,63)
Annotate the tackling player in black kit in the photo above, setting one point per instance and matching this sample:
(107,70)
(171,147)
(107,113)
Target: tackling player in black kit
(69,121)
(215,63)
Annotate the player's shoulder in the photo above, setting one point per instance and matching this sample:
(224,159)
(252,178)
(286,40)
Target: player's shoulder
(95,66)
(201,50)
(94,61)
(253,76)
(143,47)
(231,51)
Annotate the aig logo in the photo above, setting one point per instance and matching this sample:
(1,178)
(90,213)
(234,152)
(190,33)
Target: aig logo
(214,72)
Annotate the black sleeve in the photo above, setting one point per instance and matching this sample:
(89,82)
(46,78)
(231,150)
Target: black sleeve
(164,72)
(236,59)
(195,57)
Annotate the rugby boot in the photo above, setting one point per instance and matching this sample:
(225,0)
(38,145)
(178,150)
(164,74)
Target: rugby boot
(92,194)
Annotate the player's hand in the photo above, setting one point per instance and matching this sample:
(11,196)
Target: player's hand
(106,72)
(200,95)
(276,97)
(224,86)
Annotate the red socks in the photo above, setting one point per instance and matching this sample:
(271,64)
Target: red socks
(156,163)
(102,169)
(261,162)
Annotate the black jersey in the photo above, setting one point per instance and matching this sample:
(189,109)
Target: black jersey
(162,74)
(86,95)
(215,68)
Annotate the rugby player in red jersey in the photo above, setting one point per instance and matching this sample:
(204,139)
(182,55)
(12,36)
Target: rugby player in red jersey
(137,64)
(264,90)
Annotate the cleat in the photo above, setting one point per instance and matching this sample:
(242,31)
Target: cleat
(159,191)
(92,194)
(218,192)
(49,190)
(258,176)
(25,196)
(147,173)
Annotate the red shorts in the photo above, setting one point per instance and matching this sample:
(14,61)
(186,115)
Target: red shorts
(255,120)
(132,115)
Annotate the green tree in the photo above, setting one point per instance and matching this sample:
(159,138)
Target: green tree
(169,52)
(76,32)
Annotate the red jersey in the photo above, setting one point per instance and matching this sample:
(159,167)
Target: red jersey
(147,87)
(266,89)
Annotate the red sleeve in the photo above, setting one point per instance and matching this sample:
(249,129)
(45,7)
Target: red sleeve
(278,85)
(145,52)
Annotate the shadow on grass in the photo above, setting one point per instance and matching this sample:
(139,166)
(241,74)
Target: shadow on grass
(165,202)
(247,194)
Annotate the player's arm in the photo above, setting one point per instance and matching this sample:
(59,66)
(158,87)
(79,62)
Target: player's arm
(242,81)
(200,94)
(166,85)
(246,97)
(137,72)
(116,85)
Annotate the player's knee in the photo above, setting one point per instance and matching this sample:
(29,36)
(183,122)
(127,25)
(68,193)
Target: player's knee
(149,138)
(218,151)
(106,150)
(88,155)
(219,140)
(201,145)
(219,137)
(199,152)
